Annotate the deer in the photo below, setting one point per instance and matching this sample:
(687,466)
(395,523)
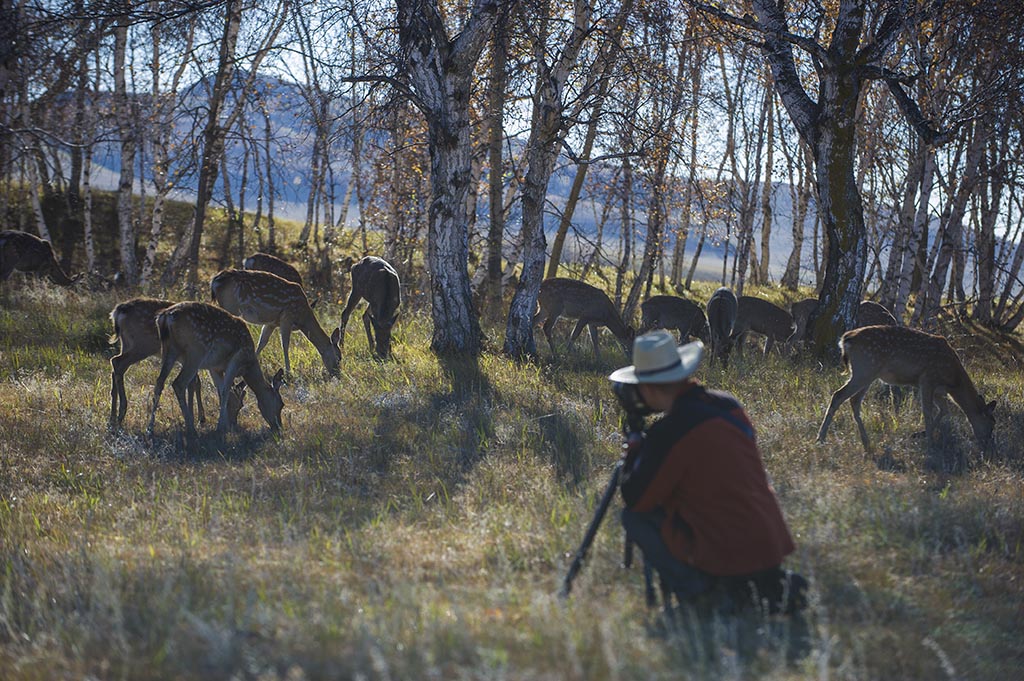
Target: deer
(135,327)
(763,317)
(375,281)
(902,356)
(264,298)
(589,305)
(869,313)
(28,253)
(673,312)
(203,336)
(721,319)
(265,262)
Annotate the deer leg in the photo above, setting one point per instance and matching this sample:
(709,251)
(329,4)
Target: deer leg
(768,345)
(195,397)
(169,358)
(264,337)
(549,324)
(189,372)
(580,323)
(928,393)
(286,339)
(593,338)
(366,325)
(118,399)
(353,299)
(855,403)
(851,388)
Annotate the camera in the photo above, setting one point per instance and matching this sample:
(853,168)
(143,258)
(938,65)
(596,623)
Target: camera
(630,399)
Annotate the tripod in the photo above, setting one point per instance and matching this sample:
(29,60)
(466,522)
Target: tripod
(632,437)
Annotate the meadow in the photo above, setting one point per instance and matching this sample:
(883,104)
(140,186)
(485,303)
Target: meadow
(414,519)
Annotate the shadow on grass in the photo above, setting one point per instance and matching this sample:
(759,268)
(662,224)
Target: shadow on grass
(209,446)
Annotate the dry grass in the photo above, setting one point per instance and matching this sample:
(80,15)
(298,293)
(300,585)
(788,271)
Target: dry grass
(413,520)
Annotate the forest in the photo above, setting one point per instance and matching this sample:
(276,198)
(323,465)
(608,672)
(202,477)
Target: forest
(408,506)
(876,143)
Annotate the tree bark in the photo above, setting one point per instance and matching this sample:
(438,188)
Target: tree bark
(440,71)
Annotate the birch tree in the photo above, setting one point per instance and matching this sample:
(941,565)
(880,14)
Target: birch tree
(439,69)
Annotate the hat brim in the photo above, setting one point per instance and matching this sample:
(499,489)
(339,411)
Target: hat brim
(689,358)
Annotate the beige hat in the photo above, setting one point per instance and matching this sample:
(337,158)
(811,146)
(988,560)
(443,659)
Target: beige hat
(657,359)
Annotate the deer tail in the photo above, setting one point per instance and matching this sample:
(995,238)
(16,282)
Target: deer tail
(114,314)
(842,353)
(162,325)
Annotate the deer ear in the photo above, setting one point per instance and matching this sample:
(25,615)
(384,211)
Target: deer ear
(278,379)
(990,407)
(336,335)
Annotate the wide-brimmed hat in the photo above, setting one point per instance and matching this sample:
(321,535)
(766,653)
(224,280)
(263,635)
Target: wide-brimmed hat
(657,359)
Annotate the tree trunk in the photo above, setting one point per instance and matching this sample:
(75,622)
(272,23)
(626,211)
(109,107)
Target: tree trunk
(546,132)
(441,72)
(496,170)
(125,124)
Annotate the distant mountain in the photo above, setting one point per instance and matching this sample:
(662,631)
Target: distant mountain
(291,148)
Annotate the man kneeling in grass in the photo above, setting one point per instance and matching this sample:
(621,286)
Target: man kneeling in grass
(698,499)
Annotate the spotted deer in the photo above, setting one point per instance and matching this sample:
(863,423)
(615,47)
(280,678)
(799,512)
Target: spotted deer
(135,327)
(28,253)
(264,298)
(265,262)
(587,304)
(375,281)
(203,336)
(756,315)
(721,319)
(673,312)
(902,356)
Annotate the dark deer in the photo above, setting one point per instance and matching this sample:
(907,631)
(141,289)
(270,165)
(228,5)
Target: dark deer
(721,320)
(202,336)
(267,299)
(868,314)
(135,327)
(28,253)
(763,317)
(901,356)
(589,305)
(673,312)
(265,262)
(375,281)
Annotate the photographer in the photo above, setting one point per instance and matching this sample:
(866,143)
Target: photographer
(698,500)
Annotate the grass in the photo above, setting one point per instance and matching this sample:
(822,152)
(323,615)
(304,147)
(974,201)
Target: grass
(415,518)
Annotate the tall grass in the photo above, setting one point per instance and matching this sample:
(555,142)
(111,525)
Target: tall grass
(414,520)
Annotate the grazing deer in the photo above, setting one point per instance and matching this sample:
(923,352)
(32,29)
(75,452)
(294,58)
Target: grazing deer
(673,312)
(868,314)
(902,356)
(375,281)
(135,327)
(761,316)
(721,320)
(28,253)
(202,336)
(269,263)
(589,305)
(267,299)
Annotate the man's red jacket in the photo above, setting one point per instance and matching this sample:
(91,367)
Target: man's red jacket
(701,465)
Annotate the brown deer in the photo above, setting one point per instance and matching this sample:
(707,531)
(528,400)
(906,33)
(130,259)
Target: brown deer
(589,305)
(28,253)
(375,281)
(673,312)
(267,299)
(135,327)
(901,356)
(203,336)
(269,263)
(721,320)
(763,317)
(869,313)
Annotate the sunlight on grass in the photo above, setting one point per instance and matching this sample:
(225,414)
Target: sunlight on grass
(415,517)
